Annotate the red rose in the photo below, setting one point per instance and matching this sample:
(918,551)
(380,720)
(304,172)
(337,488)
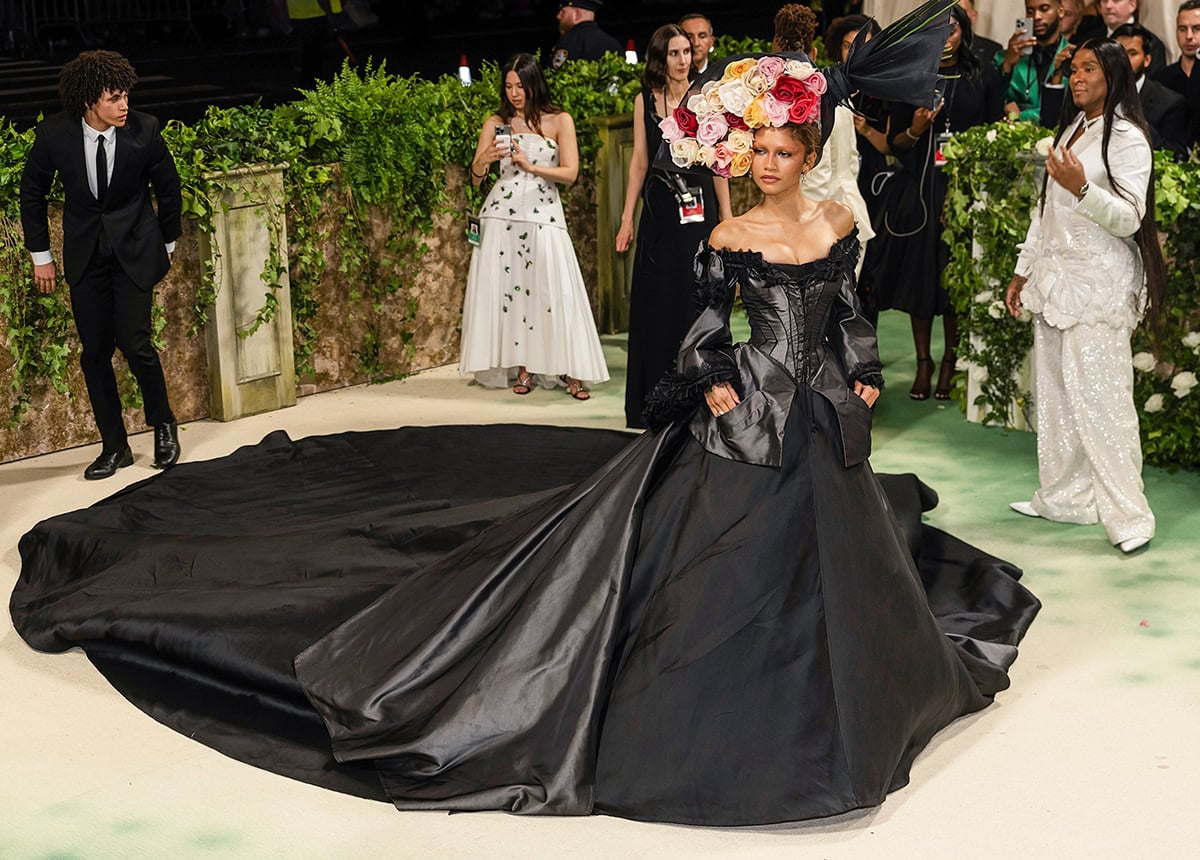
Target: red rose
(686,120)
(805,108)
(788,89)
(736,121)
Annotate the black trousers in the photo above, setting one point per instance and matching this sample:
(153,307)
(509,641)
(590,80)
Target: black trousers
(112,312)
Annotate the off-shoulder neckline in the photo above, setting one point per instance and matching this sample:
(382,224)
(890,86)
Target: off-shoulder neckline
(849,237)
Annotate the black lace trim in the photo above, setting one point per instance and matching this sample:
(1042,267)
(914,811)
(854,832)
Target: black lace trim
(868,373)
(676,395)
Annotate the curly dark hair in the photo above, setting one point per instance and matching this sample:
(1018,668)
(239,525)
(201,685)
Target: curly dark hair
(84,79)
(795,26)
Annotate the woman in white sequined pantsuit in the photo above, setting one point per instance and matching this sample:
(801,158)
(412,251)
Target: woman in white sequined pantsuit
(1088,268)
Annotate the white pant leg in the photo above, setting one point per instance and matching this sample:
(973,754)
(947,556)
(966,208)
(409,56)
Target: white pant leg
(1097,385)
(1064,475)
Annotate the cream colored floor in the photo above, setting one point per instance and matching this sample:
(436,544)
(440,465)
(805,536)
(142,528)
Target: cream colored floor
(1093,753)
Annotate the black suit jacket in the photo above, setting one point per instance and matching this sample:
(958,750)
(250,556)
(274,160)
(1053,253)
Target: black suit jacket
(138,236)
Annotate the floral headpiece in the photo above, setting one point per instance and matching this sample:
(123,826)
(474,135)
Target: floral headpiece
(716,126)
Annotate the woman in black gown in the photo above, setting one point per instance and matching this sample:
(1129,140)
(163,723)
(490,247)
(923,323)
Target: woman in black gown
(727,621)
(904,264)
(660,301)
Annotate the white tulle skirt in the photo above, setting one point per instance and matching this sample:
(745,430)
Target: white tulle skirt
(526,306)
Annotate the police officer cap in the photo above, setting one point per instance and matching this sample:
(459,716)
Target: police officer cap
(592,5)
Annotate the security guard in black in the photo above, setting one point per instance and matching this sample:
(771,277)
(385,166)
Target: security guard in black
(582,38)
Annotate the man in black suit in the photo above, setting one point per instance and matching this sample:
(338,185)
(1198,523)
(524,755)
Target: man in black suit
(1187,35)
(582,38)
(1163,108)
(1114,13)
(115,248)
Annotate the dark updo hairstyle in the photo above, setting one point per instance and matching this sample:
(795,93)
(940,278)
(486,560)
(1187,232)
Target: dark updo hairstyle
(1122,101)
(537,93)
(655,75)
(795,26)
(85,79)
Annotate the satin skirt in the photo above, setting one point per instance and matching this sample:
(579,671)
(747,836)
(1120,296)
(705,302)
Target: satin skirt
(640,628)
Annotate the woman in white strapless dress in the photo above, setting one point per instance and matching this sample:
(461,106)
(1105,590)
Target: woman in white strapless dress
(526,318)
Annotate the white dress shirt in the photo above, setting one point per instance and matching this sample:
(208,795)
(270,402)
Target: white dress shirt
(91,141)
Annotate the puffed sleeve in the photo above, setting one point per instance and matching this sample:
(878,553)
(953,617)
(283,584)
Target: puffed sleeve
(1029,248)
(852,336)
(706,354)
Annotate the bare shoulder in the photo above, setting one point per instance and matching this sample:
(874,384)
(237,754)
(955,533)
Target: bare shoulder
(838,216)
(728,235)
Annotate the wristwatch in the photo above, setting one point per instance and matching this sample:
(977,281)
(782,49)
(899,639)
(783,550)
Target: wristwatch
(1083,189)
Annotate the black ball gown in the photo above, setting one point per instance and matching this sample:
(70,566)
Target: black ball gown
(729,620)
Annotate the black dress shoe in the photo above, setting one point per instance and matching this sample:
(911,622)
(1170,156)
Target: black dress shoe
(106,465)
(166,445)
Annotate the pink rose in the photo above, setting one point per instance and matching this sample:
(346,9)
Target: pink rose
(686,120)
(721,170)
(816,83)
(777,111)
(724,155)
(670,129)
(771,68)
(712,129)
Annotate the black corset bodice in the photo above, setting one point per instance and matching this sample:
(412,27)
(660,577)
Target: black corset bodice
(788,309)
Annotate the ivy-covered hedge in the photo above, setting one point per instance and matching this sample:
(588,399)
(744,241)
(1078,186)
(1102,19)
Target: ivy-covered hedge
(996,164)
(388,139)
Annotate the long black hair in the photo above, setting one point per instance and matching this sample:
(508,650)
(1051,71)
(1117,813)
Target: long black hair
(1122,101)
(655,75)
(537,92)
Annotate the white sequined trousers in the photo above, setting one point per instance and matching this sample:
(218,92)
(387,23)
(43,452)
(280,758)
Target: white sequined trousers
(1089,452)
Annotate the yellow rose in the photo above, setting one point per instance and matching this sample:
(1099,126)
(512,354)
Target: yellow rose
(735,70)
(740,141)
(740,164)
(712,93)
(756,113)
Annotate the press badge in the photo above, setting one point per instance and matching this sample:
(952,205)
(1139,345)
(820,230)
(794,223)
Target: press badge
(690,199)
(939,157)
(473,230)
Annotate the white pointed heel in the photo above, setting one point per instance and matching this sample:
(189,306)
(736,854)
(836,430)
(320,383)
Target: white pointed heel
(1132,544)
(1024,508)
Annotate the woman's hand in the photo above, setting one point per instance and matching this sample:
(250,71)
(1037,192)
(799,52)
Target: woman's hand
(721,398)
(624,236)
(1066,171)
(869,393)
(1012,296)
(922,120)
(520,159)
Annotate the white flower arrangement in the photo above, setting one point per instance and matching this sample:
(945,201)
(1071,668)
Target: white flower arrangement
(1154,403)
(1182,383)
(1144,361)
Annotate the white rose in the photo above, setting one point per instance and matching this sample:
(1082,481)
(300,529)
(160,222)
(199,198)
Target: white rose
(984,297)
(700,106)
(798,70)
(1043,146)
(1192,340)
(990,136)
(1026,315)
(685,152)
(1144,362)
(1183,382)
(1154,403)
(740,141)
(707,155)
(996,309)
(734,96)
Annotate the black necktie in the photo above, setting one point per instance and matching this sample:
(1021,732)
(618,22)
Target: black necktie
(101,169)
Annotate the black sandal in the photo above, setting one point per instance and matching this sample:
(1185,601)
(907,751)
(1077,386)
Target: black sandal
(575,388)
(945,379)
(920,388)
(523,385)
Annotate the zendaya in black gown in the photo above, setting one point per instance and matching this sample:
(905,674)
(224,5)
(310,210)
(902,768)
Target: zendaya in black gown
(727,620)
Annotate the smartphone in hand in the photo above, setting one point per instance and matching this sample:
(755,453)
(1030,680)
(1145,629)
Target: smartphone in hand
(1025,25)
(504,136)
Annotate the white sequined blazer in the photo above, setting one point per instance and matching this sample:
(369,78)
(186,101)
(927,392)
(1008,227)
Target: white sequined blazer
(1079,257)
